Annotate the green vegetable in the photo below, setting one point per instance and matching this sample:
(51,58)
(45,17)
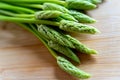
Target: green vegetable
(72,4)
(52,6)
(33,30)
(63,3)
(82,17)
(64,50)
(14,8)
(53,35)
(62,62)
(81,47)
(65,25)
(71,26)
(80,4)
(47,14)
(49,21)
(96,1)
(71,69)
(28,20)
(53,14)
(68,17)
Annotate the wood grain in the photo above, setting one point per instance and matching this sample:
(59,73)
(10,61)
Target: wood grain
(24,57)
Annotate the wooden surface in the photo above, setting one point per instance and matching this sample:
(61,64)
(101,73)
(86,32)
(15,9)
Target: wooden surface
(24,57)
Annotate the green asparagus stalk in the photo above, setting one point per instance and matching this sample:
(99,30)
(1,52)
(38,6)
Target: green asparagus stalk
(72,4)
(81,47)
(8,13)
(96,1)
(35,1)
(71,69)
(53,35)
(15,8)
(62,62)
(81,17)
(77,15)
(80,4)
(44,14)
(64,50)
(47,14)
(69,15)
(67,66)
(71,26)
(54,14)
(59,48)
(52,6)
(28,20)
(45,6)
(32,29)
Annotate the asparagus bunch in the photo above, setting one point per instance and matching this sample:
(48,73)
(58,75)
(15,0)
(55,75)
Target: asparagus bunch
(49,21)
(72,4)
(63,63)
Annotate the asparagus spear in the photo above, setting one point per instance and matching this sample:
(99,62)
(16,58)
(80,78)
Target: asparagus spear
(63,63)
(83,18)
(65,25)
(96,1)
(72,4)
(71,26)
(52,10)
(47,14)
(64,50)
(15,8)
(71,69)
(81,47)
(59,48)
(53,35)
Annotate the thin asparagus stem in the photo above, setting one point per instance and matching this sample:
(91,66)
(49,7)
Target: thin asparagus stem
(35,32)
(64,50)
(62,62)
(73,4)
(54,54)
(14,8)
(36,6)
(27,20)
(17,15)
(64,25)
(37,15)
(36,1)
(53,35)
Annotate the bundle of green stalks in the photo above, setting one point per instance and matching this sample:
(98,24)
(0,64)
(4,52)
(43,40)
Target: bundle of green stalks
(50,21)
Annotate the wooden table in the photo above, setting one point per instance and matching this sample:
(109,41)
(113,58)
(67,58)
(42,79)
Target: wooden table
(24,57)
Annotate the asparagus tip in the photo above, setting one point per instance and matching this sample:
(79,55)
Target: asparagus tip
(78,61)
(97,31)
(93,21)
(94,51)
(86,76)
